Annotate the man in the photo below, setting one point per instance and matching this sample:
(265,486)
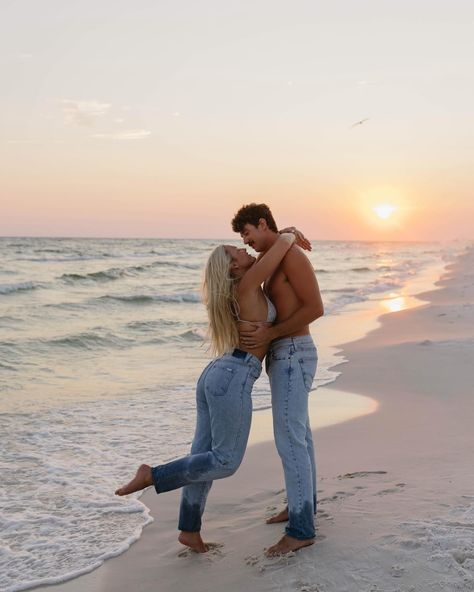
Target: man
(291,365)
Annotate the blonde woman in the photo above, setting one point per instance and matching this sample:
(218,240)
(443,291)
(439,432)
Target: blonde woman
(233,295)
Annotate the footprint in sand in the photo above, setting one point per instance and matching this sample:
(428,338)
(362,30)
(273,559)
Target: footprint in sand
(323,514)
(252,559)
(339,495)
(397,571)
(305,587)
(460,556)
(214,552)
(409,544)
(361,474)
(398,487)
(263,563)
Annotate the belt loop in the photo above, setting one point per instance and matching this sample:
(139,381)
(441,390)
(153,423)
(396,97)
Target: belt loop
(238,353)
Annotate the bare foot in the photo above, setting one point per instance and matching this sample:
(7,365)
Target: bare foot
(280,517)
(193,540)
(287,544)
(141,480)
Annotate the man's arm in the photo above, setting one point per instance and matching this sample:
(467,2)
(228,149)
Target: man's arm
(301,276)
(300,239)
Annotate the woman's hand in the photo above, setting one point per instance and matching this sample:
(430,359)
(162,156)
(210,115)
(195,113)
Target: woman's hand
(300,238)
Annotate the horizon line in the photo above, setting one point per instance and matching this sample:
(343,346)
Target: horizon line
(61,237)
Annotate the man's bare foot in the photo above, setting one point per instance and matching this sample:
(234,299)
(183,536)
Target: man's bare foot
(287,544)
(280,517)
(193,540)
(141,480)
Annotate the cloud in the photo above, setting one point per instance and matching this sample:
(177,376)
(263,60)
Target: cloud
(83,113)
(135,134)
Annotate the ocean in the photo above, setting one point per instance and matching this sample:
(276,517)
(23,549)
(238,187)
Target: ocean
(101,345)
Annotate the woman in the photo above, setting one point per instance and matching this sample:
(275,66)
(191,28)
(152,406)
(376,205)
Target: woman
(233,295)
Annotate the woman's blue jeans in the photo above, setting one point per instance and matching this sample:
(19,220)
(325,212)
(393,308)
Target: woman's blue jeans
(224,415)
(291,366)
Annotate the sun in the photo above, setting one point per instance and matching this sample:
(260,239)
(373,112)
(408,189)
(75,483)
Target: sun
(384,211)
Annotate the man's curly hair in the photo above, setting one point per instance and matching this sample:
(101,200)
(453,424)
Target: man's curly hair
(251,214)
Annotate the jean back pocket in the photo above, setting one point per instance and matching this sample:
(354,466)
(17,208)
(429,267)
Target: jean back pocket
(218,379)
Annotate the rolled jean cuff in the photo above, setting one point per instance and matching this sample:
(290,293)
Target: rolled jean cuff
(153,478)
(299,535)
(158,475)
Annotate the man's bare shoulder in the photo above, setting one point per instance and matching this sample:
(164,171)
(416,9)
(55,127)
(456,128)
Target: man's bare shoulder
(296,259)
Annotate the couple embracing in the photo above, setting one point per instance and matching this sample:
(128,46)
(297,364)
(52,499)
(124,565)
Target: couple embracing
(246,325)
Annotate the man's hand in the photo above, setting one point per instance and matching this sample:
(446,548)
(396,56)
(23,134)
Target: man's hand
(300,238)
(256,336)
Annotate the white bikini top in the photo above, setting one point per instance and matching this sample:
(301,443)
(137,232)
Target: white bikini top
(271,313)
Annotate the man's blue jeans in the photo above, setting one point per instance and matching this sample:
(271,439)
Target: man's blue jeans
(224,415)
(291,366)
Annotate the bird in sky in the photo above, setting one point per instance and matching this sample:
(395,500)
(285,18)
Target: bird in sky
(360,122)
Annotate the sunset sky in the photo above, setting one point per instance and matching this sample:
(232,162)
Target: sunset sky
(161,118)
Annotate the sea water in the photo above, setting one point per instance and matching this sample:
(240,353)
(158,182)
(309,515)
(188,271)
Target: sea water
(101,345)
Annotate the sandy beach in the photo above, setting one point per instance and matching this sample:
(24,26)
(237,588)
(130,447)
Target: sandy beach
(138,138)
(396,492)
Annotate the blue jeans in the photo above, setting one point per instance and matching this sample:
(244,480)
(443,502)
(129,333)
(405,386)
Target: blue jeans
(224,414)
(291,366)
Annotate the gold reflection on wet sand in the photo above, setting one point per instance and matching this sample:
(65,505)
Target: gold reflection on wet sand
(395,303)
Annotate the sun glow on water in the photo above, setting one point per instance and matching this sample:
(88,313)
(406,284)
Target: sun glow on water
(395,303)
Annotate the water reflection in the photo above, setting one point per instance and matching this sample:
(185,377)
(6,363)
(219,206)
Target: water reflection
(395,303)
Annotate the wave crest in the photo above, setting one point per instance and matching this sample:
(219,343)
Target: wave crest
(187,297)
(17,287)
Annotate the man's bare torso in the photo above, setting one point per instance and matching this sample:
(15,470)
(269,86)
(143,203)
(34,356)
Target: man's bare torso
(281,293)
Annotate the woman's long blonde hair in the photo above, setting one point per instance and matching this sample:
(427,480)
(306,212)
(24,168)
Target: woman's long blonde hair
(219,298)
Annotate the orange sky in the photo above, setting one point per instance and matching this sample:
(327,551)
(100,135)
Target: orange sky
(158,121)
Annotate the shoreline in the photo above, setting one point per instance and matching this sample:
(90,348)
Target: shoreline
(365,318)
(228,509)
(112,525)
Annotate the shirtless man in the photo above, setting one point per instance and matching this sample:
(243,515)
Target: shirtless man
(291,365)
